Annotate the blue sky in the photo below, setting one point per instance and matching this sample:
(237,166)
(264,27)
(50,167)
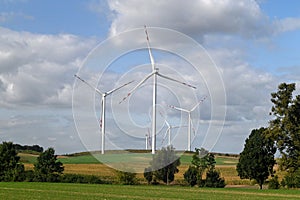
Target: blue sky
(255,44)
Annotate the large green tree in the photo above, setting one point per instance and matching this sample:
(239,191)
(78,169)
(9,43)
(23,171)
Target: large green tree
(257,159)
(48,168)
(10,168)
(163,166)
(285,127)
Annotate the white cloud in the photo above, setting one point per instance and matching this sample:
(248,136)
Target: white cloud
(199,18)
(195,18)
(38,69)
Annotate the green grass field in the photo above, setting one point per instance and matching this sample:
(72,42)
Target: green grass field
(84,191)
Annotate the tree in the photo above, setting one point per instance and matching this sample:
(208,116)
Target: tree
(47,168)
(285,128)
(163,166)
(257,159)
(200,161)
(10,168)
(213,178)
(203,161)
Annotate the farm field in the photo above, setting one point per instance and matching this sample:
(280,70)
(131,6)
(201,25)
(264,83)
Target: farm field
(44,191)
(85,163)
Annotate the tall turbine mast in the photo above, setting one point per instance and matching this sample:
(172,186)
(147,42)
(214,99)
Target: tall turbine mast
(103,105)
(154,73)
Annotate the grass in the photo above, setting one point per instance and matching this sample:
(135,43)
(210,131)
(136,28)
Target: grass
(83,159)
(54,191)
(28,158)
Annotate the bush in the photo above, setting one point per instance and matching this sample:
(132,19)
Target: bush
(274,183)
(148,175)
(126,178)
(214,180)
(190,176)
(29,176)
(292,180)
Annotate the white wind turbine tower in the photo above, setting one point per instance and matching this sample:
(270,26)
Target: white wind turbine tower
(103,103)
(154,73)
(189,119)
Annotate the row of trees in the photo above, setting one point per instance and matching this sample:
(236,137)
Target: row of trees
(283,135)
(33,148)
(164,166)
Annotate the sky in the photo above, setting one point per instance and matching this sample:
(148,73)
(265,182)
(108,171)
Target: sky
(253,44)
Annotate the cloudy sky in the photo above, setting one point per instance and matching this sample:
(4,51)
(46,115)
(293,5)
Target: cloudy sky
(254,45)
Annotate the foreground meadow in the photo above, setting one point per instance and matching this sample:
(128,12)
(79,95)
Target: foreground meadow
(44,191)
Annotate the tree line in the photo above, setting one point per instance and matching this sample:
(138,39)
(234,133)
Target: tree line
(34,148)
(163,167)
(257,159)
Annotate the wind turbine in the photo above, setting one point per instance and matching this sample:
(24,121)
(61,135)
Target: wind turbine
(168,131)
(189,119)
(103,103)
(154,73)
(148,139)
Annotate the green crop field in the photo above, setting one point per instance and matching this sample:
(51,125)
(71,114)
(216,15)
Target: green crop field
(84,191)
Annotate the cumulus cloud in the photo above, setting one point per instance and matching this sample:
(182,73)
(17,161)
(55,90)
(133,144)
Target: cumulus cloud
(199,18)
(38,69)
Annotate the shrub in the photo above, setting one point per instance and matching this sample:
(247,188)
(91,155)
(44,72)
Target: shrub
(292,180)
(148,175)
(274,183)
(29,176)
(126,178)
(190,176)
(214,180)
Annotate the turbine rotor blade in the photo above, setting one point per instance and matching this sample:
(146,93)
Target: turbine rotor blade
(113,90)
(169,126)
(193,128)
(198,103)
(101,120)
(179,126)
(180,109)
(137,86)
(166,133)
(172,79)
(149,49)
(97,90)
